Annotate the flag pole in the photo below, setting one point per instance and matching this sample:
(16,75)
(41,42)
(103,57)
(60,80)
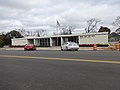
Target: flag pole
(58,27)
(57,30)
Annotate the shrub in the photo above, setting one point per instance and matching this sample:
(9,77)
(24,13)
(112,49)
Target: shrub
(1,42)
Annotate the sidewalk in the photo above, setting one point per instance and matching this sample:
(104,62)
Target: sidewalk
(38,48)
(49,48)
(57,48)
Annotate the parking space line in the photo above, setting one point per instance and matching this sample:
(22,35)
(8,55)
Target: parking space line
(64,59)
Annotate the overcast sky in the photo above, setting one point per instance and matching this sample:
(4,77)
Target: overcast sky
(35,14)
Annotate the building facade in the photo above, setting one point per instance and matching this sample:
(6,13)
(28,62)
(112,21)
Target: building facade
(58,40)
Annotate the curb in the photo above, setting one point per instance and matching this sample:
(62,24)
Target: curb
(58,48)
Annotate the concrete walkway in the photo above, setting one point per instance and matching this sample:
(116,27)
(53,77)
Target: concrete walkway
(55,48)
(38,48)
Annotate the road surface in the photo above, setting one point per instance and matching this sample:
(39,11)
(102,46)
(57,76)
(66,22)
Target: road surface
(59,70)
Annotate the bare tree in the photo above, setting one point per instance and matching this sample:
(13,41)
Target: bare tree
(28,33)
(41,32)
(71,29)
(67,30)
(54,33)
(117,23)
(32,33)
(92,25)
(22,31)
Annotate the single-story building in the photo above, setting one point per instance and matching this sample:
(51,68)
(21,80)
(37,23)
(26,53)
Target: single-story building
(58,40)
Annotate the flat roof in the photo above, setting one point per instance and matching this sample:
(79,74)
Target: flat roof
(52,36)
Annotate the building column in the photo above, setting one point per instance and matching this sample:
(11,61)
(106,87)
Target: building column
(51,42)
(78,39)
(61,40)
(34,42)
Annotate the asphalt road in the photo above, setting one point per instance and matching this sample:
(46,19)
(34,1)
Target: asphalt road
(59,70)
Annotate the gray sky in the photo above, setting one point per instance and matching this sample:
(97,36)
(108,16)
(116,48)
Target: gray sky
(34,14)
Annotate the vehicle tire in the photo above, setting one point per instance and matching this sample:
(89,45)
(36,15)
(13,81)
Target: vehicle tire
(25,49)
(76,49)
(66,48)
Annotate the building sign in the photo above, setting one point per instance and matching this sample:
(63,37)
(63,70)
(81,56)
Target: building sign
(87,36)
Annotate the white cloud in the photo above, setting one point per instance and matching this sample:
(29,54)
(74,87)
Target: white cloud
(44,13)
